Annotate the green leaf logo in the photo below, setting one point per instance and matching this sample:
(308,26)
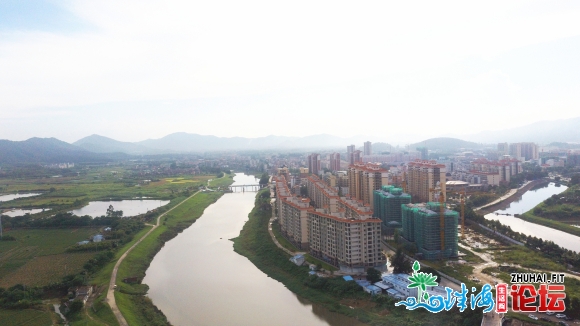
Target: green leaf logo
(421,281)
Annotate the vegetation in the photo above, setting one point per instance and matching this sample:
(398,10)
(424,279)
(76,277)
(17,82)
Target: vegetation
(399,263)
(41,251)
(373,275)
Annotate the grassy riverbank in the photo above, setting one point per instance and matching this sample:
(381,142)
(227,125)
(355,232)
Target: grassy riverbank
(135,306)
(256,244)
(530,217)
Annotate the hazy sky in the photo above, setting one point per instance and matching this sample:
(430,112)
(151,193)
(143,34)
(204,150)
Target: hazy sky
(133,70)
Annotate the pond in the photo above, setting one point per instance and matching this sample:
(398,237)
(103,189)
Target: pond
(22,212)
(16,196)
(129,207)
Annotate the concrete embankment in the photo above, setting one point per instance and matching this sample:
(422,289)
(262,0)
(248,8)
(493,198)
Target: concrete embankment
(512,195)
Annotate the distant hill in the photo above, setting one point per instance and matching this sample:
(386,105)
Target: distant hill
(182,142)
(45,150)
(543,132)
(564,145)
(381,147)
(445,144)
(101,144)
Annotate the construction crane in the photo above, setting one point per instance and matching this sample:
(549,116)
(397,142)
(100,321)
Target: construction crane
(441,215)
(462,197)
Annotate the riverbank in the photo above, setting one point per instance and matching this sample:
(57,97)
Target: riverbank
(255,243)
(511,196)
(130,295)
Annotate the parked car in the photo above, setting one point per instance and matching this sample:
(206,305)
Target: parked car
(532,317)
(550,313)
(560,316)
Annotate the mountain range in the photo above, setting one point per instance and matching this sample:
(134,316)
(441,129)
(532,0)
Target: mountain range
(542,132)
(100,148)
(48,150)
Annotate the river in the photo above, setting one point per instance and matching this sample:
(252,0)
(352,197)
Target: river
(528,201)
(198,279)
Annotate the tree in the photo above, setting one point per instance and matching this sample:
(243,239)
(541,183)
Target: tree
(264,179)
(373,275)
(110,211)
(75,307)
(400,264)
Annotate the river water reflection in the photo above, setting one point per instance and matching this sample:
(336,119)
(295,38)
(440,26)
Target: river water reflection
(197,278)
(528,201)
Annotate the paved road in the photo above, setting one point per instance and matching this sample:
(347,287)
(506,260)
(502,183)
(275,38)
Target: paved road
(111,291)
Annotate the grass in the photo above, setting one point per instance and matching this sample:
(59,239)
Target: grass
(526,258)
(224,181)
(45,270)
(23,261)
(29,317)
(288,245)
(530,217)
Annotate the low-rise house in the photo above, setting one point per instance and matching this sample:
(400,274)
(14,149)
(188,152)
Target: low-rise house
(98,238)
(83,293)
(82,243)
(298,259)
(107,229)
(373,290)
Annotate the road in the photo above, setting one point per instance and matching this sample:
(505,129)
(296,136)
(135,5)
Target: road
(113,281)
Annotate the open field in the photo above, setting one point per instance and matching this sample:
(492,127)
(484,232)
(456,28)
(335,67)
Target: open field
(25,317)
(23,261)
(65,193)
(224,181)
(44,270)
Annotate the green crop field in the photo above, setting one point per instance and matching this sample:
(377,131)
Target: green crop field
(28,317)
(23,261)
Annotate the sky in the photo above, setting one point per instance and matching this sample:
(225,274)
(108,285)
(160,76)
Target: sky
(396,70)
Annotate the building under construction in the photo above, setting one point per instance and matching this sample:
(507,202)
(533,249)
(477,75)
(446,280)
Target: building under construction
(387,206)
(422,226)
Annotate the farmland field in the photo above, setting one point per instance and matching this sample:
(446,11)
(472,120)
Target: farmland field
(36,246)
(43,270)
(28,317)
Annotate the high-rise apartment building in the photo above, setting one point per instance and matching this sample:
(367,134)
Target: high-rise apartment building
(363,179)
(495,172)
(503,148)
(334,229)
(422,226)
(424,151)
(368,148)
(423,178)
(349,150)
(314,163)
(335,162)
(524,151)
(355,157)
(387,205)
